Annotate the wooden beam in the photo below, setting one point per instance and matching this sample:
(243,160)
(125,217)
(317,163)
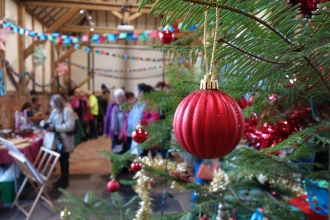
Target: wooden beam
(21,47)
(88,5)
(34,69)
(65,56)
(69,75)
(106,30)
(85,80)
(43,77)
(52,66)
(55,27)
(97,30)
(33,14)
(2,8)
(117,14)
(6,73)
(134,16)
(126,17)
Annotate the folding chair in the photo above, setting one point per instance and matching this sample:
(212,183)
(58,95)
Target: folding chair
(38,177)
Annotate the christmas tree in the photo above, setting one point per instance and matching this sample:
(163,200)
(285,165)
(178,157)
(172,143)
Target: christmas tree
(277,57)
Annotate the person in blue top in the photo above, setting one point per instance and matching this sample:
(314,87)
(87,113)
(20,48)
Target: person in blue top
(138,114)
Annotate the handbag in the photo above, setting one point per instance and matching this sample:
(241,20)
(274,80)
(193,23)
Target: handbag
(59,147)
(48,141)
(206,171)
(75,129)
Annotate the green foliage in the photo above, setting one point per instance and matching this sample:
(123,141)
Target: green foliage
(91,207)
(262,45)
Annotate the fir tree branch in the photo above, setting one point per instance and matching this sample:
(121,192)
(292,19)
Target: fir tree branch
(238,11)
(325,18)
(119,207)
(221,40)
(318,73)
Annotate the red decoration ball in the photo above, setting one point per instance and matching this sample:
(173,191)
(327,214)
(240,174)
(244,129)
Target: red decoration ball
(140,135)
(136,166)
(113,186)
(208,124)
(151,184)
(306,6)
(166,37)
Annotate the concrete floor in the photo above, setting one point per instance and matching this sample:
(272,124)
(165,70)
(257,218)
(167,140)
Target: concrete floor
(90,171)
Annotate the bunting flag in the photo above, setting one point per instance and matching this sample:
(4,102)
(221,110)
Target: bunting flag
(127,57)
(11,70)
(114,70)
(129,78)
(67,40)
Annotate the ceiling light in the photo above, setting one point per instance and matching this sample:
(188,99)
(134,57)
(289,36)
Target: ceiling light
(89,17)
(82,11)
(92,29)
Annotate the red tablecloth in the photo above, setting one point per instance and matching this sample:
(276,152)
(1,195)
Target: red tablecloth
(30,151)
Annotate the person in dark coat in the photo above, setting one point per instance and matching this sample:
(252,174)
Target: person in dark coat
(103,103)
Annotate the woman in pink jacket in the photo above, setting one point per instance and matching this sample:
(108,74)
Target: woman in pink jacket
(80,106)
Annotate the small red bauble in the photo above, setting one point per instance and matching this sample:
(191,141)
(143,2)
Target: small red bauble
(306,6)
(139,135)
(166,37)
(113,186)
(208,123)
(151,184)
(136,166)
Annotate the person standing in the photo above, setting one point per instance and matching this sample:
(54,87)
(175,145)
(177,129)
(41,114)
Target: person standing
(138,114)
(61,121)
(36,104)
(93,113)
(103,103)
(81,106)
(114,122)
(106,93)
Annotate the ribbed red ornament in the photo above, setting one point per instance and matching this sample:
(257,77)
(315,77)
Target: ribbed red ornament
(208,124)
(307,6)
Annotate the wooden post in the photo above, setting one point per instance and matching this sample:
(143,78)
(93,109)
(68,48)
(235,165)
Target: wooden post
(21,47)
(2,8)
(88,67)
(52,67)
(43,78)
(69,74)
(33,75)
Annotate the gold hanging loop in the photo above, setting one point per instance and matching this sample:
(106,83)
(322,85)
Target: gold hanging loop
(209,82)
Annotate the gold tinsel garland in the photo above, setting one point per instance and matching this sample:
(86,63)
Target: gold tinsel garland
(142,189)
(218,184)
(293,185)
(142,186)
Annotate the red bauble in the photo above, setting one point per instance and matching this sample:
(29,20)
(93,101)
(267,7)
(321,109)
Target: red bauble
(136,166)
(151,184)
(306,6)
(208,124)
(166,37)
(204,218)
(113,186)
(139,135)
